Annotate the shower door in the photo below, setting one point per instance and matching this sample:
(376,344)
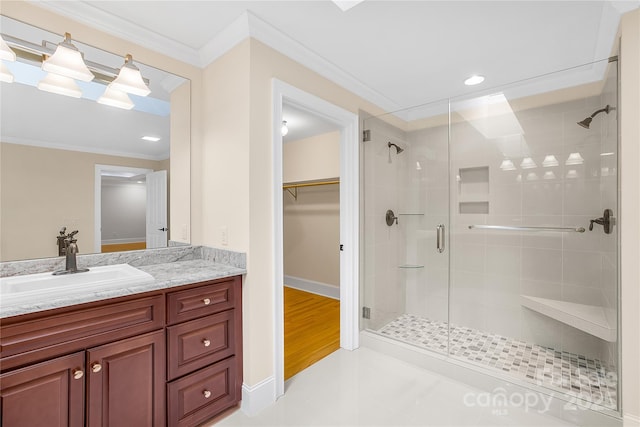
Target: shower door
(534,239)
(490,231)
(406,218)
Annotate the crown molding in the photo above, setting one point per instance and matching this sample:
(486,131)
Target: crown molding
(276,39)
(93,17)
(246,25)
(225,40)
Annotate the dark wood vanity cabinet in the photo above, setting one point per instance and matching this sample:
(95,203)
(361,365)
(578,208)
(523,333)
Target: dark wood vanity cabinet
(120,363)
(48,394)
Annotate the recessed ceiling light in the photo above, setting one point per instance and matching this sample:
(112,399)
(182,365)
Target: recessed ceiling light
(151,138)
(474,80)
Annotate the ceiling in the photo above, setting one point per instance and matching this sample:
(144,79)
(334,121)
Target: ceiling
(395,54)
(304,124)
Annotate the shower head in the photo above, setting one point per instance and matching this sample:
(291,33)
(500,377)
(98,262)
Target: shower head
(398,149)
(587,122)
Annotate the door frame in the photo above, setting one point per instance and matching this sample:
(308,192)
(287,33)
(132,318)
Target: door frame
(348,124)
(97,214)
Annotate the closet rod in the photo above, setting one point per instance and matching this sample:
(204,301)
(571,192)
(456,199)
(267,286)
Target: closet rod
(309,184)
(296,185)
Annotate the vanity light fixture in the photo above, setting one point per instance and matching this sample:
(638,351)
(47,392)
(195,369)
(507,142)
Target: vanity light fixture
(528,163)
(61,85)
(68,61)
(151,138)
(474,80)
(574,159)
(284,130)
(549,161)
(130,80)
(6,53)
(5,74)
(507,165)
(116,98)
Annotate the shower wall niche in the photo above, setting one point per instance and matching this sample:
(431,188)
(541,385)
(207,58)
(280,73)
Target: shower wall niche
(515,182)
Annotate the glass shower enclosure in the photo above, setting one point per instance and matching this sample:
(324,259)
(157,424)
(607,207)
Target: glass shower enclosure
(490,235)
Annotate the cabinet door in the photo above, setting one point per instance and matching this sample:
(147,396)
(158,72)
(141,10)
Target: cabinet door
(48,394)
(125,382)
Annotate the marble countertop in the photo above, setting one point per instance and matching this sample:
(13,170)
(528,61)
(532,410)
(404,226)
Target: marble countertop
(166,274)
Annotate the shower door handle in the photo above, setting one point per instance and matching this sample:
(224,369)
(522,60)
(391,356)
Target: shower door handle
(440,238)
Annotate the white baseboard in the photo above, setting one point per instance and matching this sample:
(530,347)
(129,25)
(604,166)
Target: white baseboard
(631,420)
(317,288)
(258,397)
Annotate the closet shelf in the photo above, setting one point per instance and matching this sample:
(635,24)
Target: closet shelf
(289,186)
(592,319)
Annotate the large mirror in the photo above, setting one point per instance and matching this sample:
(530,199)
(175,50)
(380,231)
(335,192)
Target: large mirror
(76,163)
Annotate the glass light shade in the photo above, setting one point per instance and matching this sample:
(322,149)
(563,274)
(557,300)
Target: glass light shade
(507,165)
(61,85)
(130,80)
(285,129)
(6,52)
(67,61)
(5,74)
(574,159)
(528,163)
(116,98)
(549,175)
(550,161)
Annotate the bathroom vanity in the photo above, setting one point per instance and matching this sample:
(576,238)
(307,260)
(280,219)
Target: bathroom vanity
(170,354)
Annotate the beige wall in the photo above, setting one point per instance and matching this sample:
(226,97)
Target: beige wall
(308,159)
(43,189)
(312,222)
(24,11)
(630,214)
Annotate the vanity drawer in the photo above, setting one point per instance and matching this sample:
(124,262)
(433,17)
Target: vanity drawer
(199,343)
(201,301)
(203,394)
(51,335)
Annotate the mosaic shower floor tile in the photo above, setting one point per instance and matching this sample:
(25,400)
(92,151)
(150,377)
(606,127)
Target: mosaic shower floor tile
(586,379)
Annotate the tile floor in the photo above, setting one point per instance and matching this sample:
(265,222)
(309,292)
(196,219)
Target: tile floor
(588,379)
(367,388)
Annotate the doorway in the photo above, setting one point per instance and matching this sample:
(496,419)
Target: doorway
(130,208)
(347,124)
(311,237)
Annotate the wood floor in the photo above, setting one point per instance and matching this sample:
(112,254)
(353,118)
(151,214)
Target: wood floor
(311,329)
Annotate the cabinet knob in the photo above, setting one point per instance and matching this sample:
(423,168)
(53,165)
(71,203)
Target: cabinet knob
(96,367)
(206,301)
(77,374)
(206,342)
(207,394)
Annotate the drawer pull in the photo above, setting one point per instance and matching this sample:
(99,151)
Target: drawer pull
(206,301)
(206,342)
(96,367)
(207,394)
(77,374)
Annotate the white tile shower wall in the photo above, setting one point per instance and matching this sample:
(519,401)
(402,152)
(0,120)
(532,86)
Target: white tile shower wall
(490,269)
(428,196)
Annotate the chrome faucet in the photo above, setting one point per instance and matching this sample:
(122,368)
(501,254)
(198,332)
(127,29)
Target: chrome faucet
(70,251)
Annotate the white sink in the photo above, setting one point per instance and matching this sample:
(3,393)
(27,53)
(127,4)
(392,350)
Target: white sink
(36,287)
